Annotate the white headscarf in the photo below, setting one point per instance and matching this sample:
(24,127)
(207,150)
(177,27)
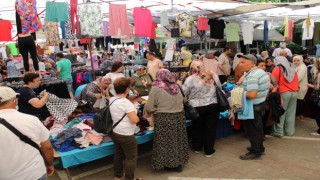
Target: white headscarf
(236,61)
(288,69)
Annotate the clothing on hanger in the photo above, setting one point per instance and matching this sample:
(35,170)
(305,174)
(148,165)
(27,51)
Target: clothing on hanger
(142,21)
(185,24)
(6,27)
(57,11)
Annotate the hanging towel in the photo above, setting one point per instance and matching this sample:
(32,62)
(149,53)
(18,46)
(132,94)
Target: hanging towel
(247,112)
(60,108)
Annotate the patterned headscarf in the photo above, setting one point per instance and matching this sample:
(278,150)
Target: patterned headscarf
(166,81)
(197,69)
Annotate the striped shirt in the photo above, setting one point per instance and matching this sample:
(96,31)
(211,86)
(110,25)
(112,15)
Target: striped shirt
(257,79)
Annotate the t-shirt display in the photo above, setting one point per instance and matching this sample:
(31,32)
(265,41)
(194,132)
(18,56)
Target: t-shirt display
(216,28)
(265,32)
(308,29)
(288,28)
(185,24)
(91,20)
(232,32)
(142,21)
(6,27)
(247,32)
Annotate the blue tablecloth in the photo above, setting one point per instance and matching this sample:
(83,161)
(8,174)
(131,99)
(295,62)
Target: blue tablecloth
(91,153)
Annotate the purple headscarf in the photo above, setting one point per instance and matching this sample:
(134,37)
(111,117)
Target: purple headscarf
(166,81)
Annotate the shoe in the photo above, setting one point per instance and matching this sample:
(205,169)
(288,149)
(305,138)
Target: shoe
(195,151)
(315,134)
(210,155)
(276,135)
(176,169)
(262,152)
(250,156)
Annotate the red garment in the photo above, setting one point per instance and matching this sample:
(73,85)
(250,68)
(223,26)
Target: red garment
(6,27)
(142,21)
(290,30)
(85,40)
(153,30)
(202,23)
(73,13)
(284,85)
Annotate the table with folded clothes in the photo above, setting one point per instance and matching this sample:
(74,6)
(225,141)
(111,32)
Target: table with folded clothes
(76,142)
(54,86)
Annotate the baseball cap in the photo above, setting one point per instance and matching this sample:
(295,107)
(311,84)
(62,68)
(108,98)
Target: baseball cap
(6,94)
(248,57)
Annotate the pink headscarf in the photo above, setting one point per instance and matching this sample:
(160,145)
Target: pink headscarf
(166,81)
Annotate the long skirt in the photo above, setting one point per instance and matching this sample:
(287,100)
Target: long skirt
(170,144)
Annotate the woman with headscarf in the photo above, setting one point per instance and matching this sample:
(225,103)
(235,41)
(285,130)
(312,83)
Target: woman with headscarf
(94,91)
(200,92)
(316,87)
(269,64)
(170,144)
(141,81)
(288,86)
(302,72)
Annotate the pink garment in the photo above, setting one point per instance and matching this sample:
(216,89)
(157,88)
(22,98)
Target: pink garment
(211,64)
(142,21)
(118,20)
(290,30)
(202,23)
(153,30)
(94,139)
(73,13)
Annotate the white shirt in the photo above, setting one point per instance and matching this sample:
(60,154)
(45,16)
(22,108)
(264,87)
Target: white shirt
(113,77)
(20,160)
(118,109)
(306,35)
(42,67)
(81,59)
(247,32)
(3,51)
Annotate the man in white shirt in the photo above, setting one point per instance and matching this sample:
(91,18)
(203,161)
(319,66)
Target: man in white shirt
(81,58)
(154,64)
(224,65)
(283,46)
(20,160)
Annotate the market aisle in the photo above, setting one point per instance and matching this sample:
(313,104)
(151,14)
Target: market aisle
(286,158)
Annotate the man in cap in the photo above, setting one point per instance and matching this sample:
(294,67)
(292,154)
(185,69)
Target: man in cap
(283,46)
(21,160)
(256,84)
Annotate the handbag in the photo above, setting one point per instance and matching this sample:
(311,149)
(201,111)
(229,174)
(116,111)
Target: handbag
(21,136)
(314,96)
(223,103)
(190,112)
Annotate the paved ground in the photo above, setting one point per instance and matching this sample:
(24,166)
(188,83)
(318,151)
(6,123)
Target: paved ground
(293,158)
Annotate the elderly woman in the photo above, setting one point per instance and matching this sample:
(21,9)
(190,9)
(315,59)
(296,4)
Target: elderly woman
(302,71)
(201,93)
(288,86)
(141,81)
(170,144)
(94,91)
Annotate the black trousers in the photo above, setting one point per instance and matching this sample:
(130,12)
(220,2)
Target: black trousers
(254,129)
(100,41)
(223,78)
(300,107)
(27,45)
(204,129)
(316,110)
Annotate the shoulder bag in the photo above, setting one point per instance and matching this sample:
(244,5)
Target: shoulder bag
(191,113)
(314,96)
(222,99)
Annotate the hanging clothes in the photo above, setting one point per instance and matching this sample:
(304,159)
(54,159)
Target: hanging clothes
(153,30)
(288,28)
(68,29)
(232,32)
(105,27)
(142,21)
(247,32)
(185,24)
(308,29)
(118,20)
(202,23)
(52,33)
(91,20)
(164,20)
(73,13)
(6,27)
(26,12)
(13,49)
(57,11)
(63,30)
(265,32)
(216,28)
(3,52)
(175,32)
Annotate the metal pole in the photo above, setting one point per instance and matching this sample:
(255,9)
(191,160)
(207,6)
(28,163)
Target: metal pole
(90,52)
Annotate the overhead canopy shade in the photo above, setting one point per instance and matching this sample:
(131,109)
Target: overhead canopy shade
(273,35)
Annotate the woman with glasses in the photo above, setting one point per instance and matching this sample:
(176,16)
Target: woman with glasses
(141,81)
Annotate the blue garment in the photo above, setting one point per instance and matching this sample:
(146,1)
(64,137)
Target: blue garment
(65,146)
(66,134)
(72,123)
(87,116)
(265,32)
(90,79)
(318,50)
(247,112)
(63,30)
